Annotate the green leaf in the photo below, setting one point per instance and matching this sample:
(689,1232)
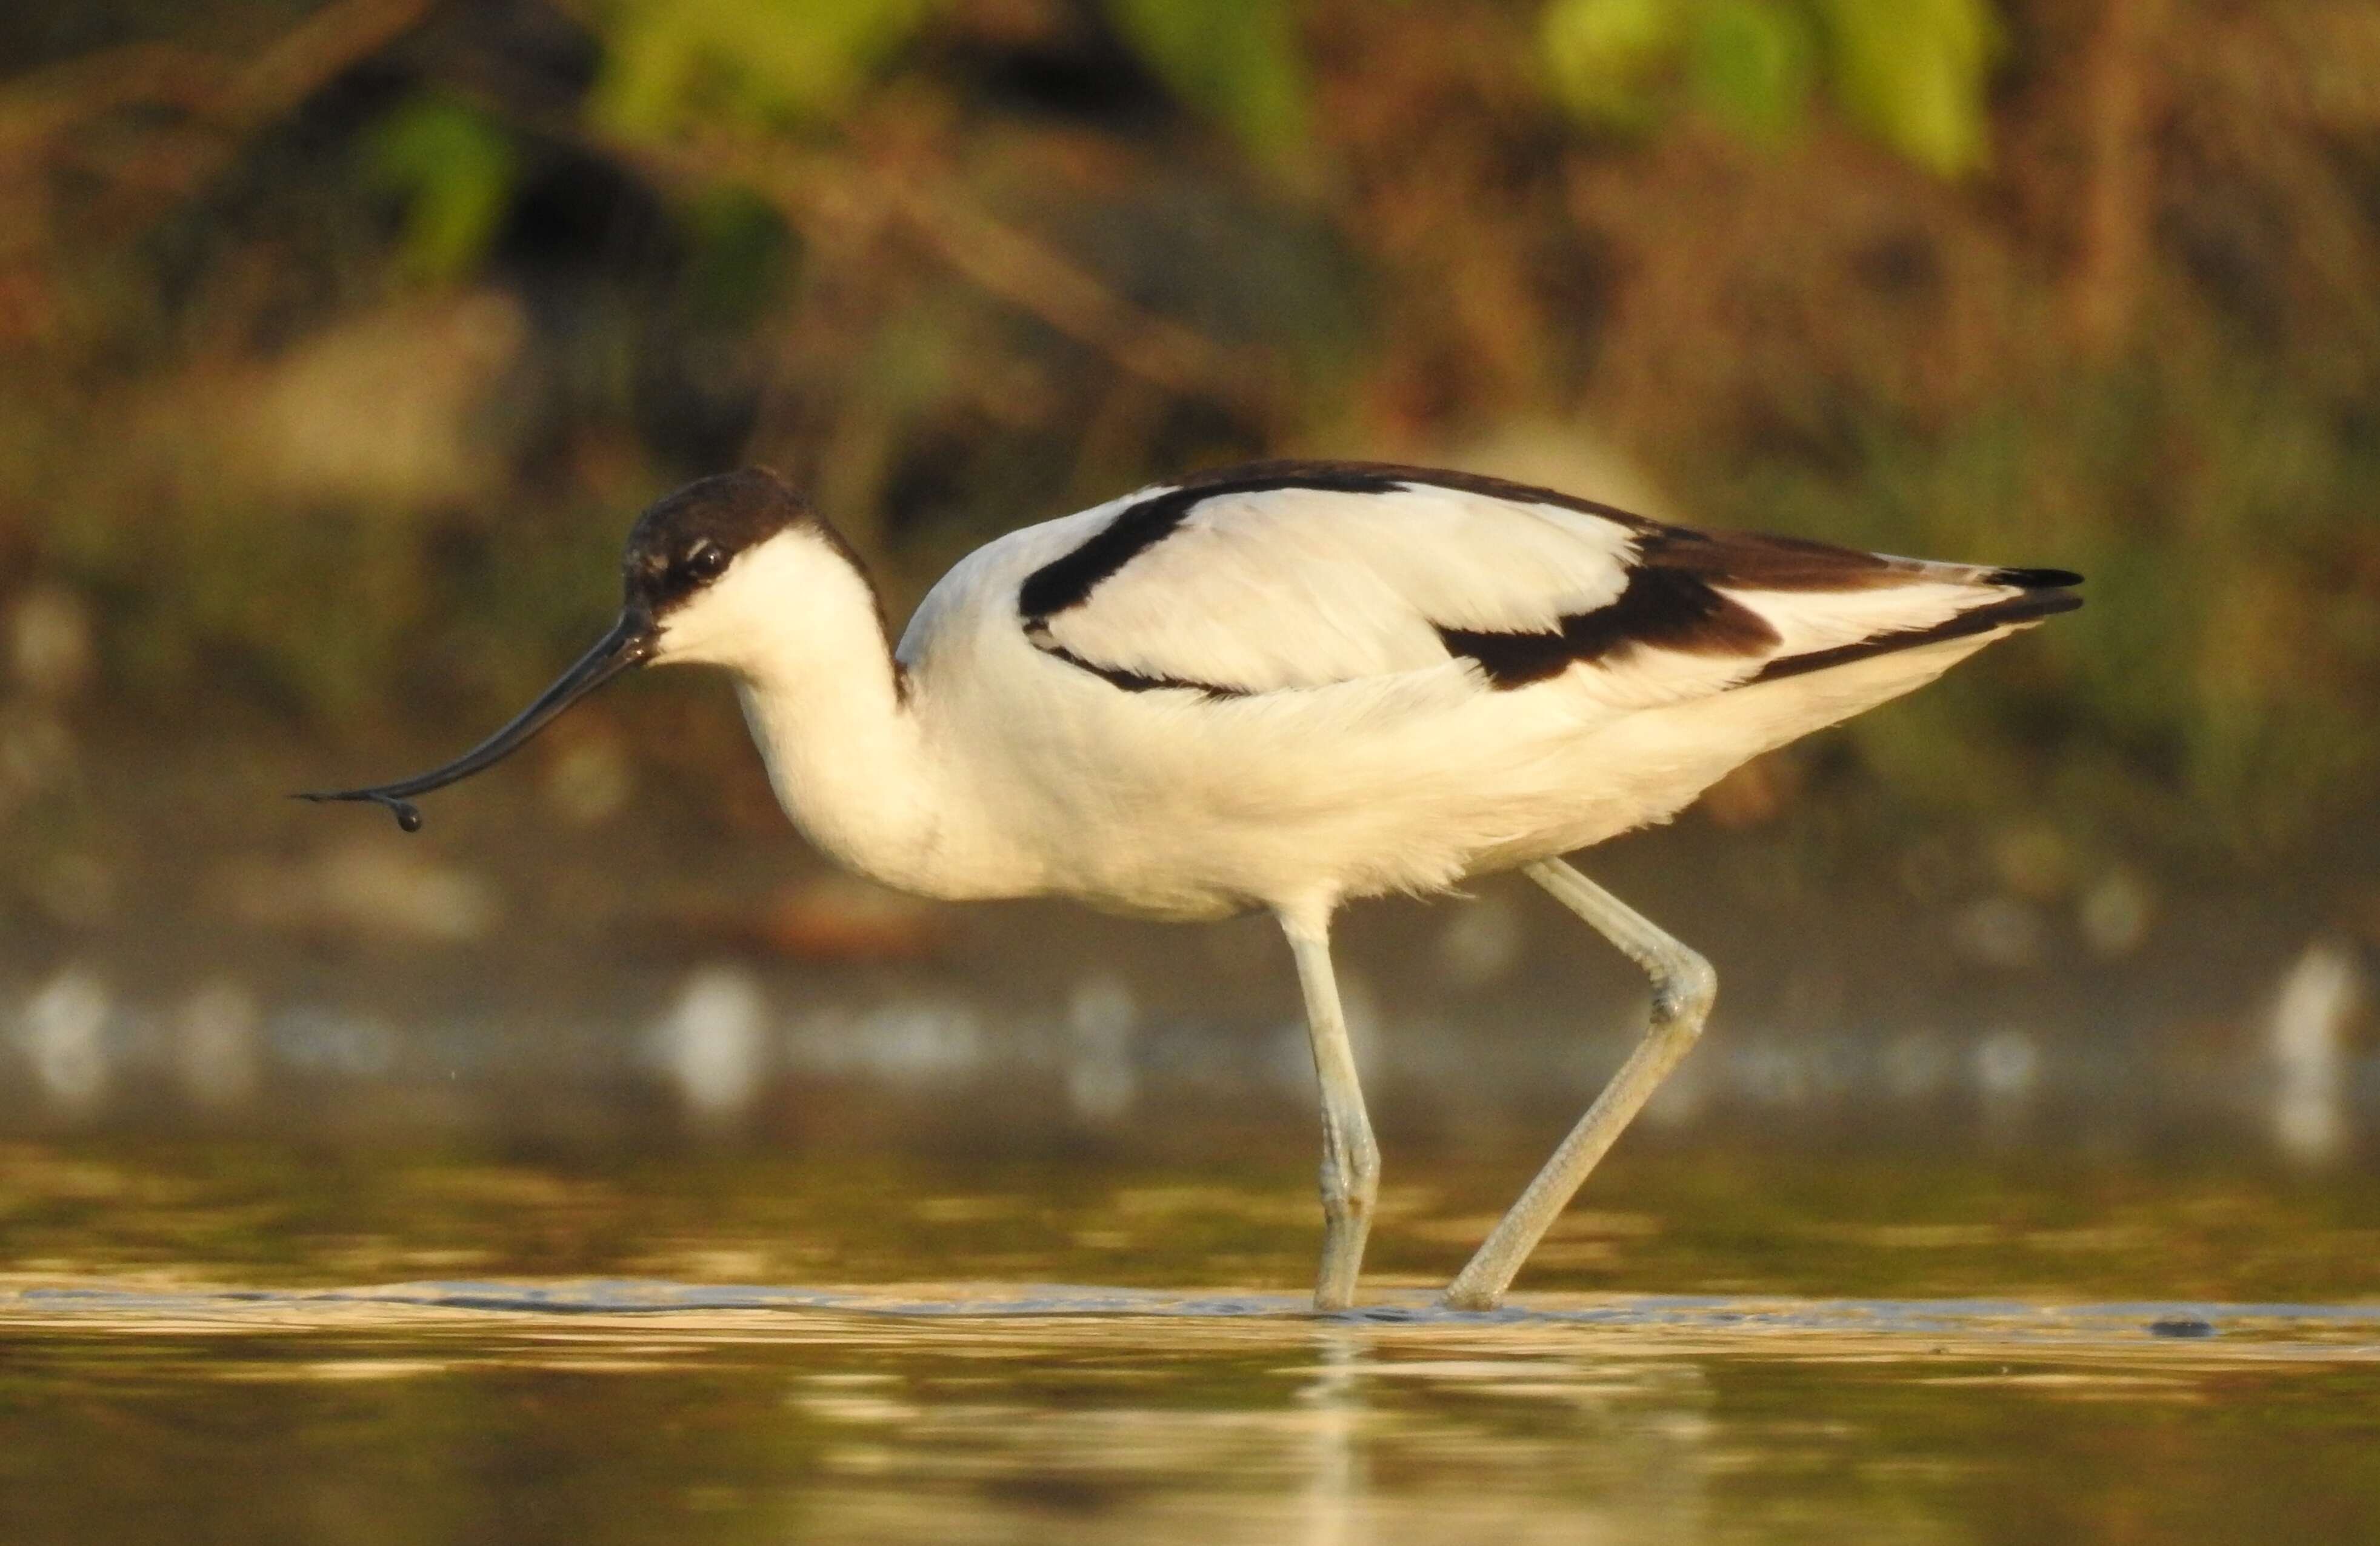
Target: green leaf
(1751,64)
(455,169)
(1607,58)
(1915,74)
(667,61)
(1235,60)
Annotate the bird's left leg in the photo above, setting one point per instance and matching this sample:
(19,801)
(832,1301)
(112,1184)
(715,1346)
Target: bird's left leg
(1684,987)
(1351,1160)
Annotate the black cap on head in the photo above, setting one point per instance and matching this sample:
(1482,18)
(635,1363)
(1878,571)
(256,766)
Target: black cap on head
(688,539)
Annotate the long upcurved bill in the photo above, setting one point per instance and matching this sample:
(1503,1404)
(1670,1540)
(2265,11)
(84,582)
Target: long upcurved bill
(630,643)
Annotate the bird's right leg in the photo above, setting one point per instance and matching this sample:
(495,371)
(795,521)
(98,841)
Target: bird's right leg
(1684,987)
(1350,1160)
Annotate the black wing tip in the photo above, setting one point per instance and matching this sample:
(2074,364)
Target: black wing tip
(2036,579)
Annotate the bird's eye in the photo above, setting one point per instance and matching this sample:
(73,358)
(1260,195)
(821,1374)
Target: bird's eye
(705,564)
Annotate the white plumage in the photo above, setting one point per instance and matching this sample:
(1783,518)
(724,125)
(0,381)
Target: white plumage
(1295,588)
(1285,686)
(1364,757)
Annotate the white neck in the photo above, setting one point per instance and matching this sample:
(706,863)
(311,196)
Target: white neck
(797,624)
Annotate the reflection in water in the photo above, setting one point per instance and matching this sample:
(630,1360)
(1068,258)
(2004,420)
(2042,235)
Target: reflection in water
(64,1037)
(713,1045)
(2318,997)
(1334,1396)
(2008,1076)
(1507,1442)
(727,1043)
(599,1412)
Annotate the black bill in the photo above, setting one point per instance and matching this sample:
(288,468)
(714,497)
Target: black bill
(630,644)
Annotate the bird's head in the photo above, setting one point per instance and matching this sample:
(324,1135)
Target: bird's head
(715,573)
(722,571)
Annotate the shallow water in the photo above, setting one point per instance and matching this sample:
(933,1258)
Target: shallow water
(204,1342)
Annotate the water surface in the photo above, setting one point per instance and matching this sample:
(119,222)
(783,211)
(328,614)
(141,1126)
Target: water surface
(615,1411)
(204,1343)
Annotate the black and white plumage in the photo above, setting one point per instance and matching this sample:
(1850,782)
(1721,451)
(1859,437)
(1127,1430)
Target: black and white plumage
(1283,685)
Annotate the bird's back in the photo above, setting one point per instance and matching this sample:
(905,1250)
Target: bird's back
(1344,678)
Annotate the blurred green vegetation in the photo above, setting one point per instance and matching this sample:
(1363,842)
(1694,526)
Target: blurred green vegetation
(339,341)
(1913,73)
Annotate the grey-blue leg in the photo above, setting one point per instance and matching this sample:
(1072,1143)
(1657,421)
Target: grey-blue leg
(1350,1160)
(1684,987)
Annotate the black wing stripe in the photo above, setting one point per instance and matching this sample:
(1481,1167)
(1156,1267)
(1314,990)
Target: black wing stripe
(1134,681)
(1069,581)
(2044,602)
(1667,610)
(1661,608)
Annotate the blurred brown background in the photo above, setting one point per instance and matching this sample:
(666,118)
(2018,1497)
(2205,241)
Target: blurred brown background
(340,341)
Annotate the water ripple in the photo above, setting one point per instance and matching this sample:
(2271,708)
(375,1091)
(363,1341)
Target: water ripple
(2337,1330)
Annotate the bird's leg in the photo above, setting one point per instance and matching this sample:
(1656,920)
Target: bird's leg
(1351,1160)
(1684,987)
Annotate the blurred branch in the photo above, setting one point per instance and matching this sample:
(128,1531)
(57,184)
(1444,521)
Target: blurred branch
(34,107)
(299,64)
(226,100)
(324,46)
(823,199)
(1013,265)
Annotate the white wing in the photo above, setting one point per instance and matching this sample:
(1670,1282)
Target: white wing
(1299,575)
